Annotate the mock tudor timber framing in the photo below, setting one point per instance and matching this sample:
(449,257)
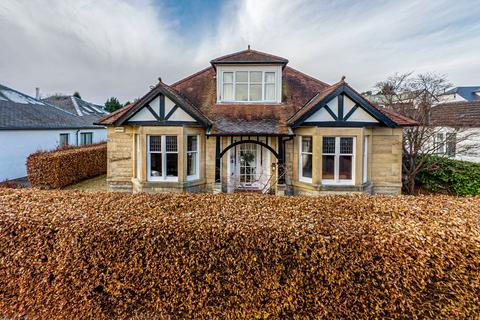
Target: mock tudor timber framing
(340,120)
(161,118)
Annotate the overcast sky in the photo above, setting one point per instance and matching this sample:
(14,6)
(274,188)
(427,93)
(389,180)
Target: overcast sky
(104,48)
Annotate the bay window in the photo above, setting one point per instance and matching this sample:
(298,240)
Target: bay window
(248,86)
(192,157)
(305,159)
(338,160)
(162,158)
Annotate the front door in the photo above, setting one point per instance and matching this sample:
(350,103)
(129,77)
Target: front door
(247,166)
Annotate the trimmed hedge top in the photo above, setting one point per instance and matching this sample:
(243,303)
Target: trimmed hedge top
(66,165)
(109,255)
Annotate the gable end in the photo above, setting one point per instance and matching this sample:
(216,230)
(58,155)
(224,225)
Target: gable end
(159,107)
(343,108)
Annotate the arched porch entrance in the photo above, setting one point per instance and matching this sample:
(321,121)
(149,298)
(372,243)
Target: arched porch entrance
(248,164)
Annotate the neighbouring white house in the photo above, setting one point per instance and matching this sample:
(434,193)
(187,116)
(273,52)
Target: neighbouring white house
(461,94)
(28,125)
(458,134)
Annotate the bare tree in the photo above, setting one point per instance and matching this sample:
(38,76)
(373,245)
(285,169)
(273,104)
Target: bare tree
(415,96)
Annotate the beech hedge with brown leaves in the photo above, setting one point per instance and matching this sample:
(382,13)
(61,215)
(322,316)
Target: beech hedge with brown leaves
(67,165)
(75,255)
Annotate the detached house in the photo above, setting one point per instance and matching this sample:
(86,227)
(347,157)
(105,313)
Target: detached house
(251,123)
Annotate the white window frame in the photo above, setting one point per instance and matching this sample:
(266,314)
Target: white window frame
(163,152)
(197,159)
(337,154)
(365,159)
(84,134)
(63,134)
(221,70)
(439,143)
(300,160)
(232,83)
(138,154)
(448,144)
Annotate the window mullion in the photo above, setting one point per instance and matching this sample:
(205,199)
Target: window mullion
(263,85)
(248,86)
(337,160)
(164,157)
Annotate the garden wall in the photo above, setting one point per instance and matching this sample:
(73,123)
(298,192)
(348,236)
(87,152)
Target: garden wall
(73,255)
(65,166)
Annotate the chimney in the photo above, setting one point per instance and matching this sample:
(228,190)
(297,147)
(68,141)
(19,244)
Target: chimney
(37,93)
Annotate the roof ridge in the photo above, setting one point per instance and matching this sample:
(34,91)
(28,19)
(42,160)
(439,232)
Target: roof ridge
(221,58)
(468,102)
(75,105)
(191,76)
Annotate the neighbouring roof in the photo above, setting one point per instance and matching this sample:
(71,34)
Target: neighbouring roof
(298,89)
(456,114)
(20,111)
(77,106)
(249,56)
(468,93)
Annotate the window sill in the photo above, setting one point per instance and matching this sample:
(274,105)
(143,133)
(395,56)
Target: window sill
(305,180)
(248,102)
(338,183)
(153,179)
(193,178)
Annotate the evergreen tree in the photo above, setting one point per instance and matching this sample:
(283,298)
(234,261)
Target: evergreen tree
(112,104)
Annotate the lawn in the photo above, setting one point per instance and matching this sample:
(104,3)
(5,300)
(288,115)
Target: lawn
(95,184)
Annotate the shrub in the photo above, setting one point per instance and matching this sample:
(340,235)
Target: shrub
(453,176)
(79,255)
(66,165)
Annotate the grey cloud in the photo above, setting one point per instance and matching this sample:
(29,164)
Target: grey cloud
(119,48)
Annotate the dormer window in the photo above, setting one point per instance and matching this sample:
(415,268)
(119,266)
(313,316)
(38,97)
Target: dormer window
(243,84)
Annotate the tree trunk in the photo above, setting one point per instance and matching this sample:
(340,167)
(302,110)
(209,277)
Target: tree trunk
(411,184)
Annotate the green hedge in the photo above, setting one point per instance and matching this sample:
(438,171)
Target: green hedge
(453,176)
(78,255)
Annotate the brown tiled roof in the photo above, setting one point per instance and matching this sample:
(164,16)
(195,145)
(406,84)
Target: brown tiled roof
(249,56)
(456,114)
(114,116)
(298,89)
(396,117)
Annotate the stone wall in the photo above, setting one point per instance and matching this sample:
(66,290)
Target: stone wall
(120,159)
(386,160)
